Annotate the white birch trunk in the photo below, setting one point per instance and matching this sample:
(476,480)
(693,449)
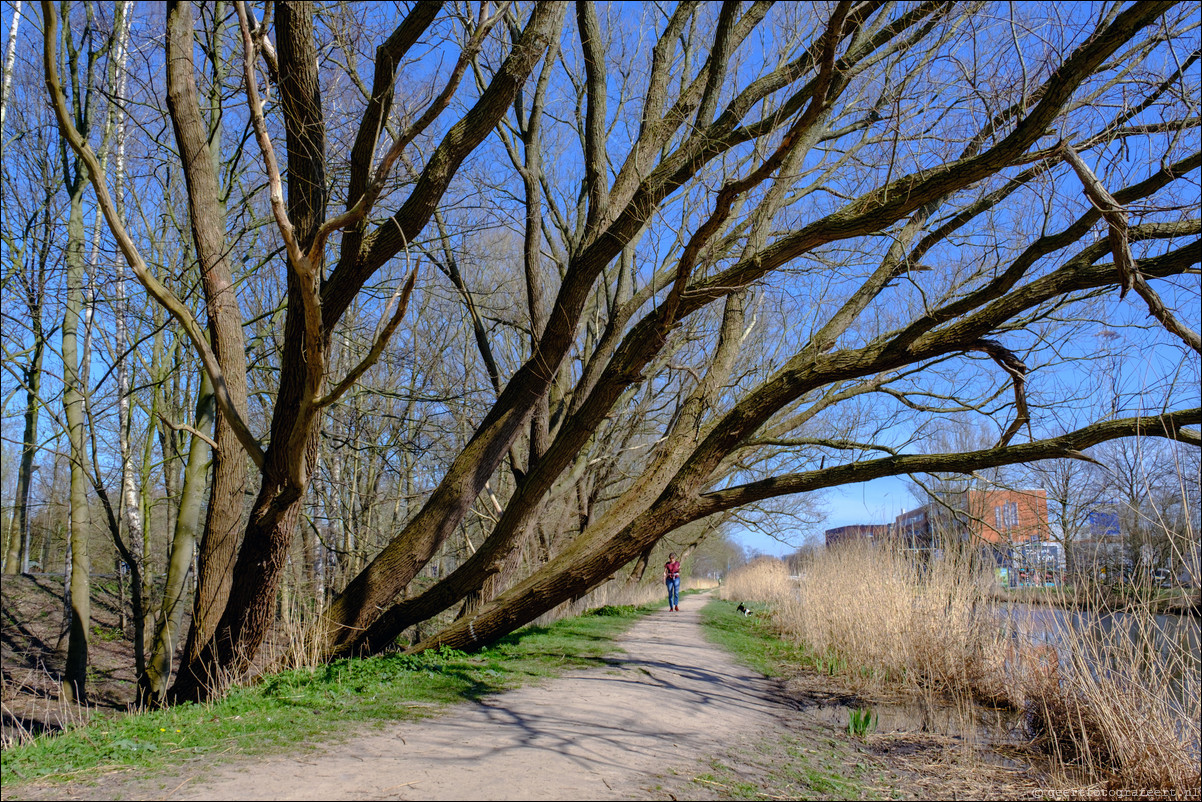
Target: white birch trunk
(10,59)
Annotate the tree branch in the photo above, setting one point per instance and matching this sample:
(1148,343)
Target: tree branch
(370,193)
(1010,363)
(1168,426)
(1113,212)
(192,430)
(133,258)
(595,158)
(381,341)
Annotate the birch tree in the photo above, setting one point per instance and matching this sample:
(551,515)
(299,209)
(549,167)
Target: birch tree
(765,247)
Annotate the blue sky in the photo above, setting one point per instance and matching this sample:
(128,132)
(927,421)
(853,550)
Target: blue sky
(875,502)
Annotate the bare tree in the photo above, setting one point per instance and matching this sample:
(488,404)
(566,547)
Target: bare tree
(750,233)
(33,251)
(1074,492)
(10,57)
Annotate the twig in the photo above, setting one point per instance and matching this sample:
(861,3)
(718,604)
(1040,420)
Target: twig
(381,341)
(181,785)
(402,785)
(183,427)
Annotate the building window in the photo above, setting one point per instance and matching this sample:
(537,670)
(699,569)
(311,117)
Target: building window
(1010,514)
(1006,516)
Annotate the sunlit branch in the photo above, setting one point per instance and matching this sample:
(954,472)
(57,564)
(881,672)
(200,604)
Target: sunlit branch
(157,290)
(1169,425)
(1113,212)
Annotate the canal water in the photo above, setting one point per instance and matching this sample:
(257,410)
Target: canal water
(1157,655)
(1170,637)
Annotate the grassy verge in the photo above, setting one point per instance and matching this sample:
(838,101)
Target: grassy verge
(752,640)
(335,701)
(788,768)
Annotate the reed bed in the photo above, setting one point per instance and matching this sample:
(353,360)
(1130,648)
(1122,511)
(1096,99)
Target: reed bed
(1124,703)
(1115,705)
(764,580)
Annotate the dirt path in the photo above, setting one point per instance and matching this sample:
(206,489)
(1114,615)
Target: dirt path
(671,717)
(668,702)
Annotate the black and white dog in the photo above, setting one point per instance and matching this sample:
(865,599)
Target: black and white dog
(742,609)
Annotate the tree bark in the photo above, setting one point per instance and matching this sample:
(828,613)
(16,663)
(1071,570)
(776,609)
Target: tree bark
(10,57)
(260,562)
(79,589)
(152,684)
(219,543)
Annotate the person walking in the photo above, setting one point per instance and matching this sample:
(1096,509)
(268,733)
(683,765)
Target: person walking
(672,580)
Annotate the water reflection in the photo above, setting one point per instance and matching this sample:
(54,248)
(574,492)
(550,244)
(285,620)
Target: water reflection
(985,724)
(1156,655)
(1168,636)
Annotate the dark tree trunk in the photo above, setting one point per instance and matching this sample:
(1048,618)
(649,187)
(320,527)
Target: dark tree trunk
(223,523)
(254,580)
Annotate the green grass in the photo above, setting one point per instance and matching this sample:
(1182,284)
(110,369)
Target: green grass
(779,769)
(333,701)
(752,639)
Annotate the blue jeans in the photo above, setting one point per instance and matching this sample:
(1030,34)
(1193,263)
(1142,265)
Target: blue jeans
(673,591)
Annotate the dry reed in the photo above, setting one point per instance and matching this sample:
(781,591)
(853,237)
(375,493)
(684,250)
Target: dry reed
(763,580)
(1116,704)
(881,614)
(1123,704)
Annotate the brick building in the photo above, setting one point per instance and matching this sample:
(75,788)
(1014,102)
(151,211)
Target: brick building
(918,529)
(999,520)
(1007,517)
(844,534)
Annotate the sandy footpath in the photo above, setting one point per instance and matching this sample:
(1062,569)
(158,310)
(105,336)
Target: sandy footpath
(666,704)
